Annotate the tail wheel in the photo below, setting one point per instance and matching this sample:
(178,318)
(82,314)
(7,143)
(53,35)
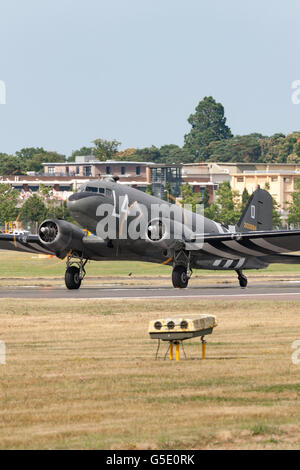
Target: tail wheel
(243,281)
(179,277)
(72,277)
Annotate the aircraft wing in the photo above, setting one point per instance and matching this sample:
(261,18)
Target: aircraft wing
(245,244)
(26,243)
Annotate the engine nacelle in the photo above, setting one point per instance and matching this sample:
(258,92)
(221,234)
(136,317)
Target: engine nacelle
(61,237)
(167,233)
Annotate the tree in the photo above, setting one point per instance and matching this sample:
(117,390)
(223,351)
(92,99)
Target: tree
(189,197)
(11,165)
(226,209)
(205,198)
(8,203)
(28,153)
(245,148)
(33,210)
(149,189)
(175,154)
(54,209)
(168,192)
(105,149)
(294,205)
(276,216)
(208,125)
(126,155)
(81,151)
(36,162)
(147,154)
(245,198)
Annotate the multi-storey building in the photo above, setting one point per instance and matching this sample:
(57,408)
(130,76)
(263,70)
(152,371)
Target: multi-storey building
(135,174)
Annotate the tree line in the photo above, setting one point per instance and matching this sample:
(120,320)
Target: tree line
(209,139)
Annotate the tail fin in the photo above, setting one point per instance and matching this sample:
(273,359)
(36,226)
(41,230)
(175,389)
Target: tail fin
(257,214)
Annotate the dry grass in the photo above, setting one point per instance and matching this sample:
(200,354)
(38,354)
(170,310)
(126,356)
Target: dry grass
(82,374)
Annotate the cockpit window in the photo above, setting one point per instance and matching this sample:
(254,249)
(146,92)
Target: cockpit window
(91,189)
(94,189)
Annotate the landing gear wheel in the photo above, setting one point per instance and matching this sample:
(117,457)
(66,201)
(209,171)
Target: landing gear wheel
(243,281)
(72,277)
(180,278)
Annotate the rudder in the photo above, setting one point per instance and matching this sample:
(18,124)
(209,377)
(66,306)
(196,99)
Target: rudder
(257,215)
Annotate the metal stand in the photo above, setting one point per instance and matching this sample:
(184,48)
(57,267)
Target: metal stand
(170,350)
(177,344)
(203,347)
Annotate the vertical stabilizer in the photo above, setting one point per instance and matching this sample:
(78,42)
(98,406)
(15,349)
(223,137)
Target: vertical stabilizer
(257,214)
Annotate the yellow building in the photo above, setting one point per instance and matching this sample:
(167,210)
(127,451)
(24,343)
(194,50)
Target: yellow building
(279,179)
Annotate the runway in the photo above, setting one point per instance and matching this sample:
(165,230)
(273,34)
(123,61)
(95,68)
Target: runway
(280,291)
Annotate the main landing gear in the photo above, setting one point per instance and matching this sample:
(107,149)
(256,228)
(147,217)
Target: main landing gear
(75,271)
(180,278)
(242,279)
(181,273)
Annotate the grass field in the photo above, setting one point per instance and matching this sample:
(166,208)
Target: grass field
(19,265)
(82,374)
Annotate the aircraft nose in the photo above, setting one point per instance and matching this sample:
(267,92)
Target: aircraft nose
(75,197)
(72,202)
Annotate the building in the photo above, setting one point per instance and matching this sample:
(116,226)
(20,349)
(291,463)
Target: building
(279,179)
(202,176)
(135,174)
(62,186)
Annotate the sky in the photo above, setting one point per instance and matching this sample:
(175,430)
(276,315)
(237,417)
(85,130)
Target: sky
(134,70)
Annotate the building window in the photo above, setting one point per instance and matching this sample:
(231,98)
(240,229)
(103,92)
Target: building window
(157,175)
(123,170)
(240,179)
(77,170)
(51,170)
(108,170)
(274,178)
(87,171)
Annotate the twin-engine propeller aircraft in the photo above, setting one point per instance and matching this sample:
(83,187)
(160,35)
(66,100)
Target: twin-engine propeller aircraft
(127,224)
